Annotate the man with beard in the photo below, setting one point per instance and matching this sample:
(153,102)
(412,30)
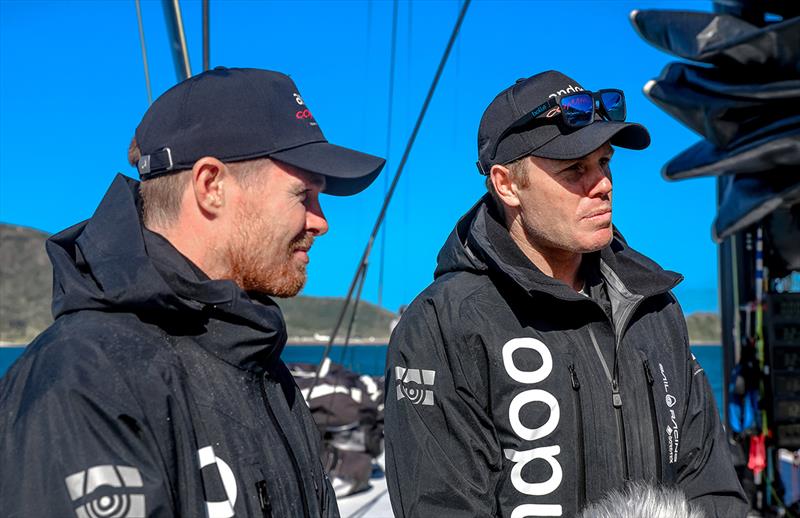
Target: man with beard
(548,363)
(159,390)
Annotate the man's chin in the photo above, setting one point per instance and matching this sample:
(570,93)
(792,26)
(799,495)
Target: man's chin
(285,294)
(278,284)
(288,286)
(598,240)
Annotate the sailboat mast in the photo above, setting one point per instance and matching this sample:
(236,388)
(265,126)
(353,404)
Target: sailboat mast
(180,53)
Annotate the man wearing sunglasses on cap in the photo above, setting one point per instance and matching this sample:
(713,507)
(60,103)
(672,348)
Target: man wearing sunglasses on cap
(548,363)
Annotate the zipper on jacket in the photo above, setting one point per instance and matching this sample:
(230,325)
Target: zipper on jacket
(576,388)
(263,499)
(287,446)
(653,419)
(616,401)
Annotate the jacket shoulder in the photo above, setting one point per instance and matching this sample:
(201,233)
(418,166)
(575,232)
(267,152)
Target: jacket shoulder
(456,289)
(448,308)
(87,355)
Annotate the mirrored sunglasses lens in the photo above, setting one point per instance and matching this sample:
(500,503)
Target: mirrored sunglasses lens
(614,103)
(577,109)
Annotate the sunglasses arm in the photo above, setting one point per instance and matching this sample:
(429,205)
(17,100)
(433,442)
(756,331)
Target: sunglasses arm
(524,121)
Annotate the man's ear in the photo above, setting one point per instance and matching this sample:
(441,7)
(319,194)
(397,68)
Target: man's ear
(504,185)
(208,185)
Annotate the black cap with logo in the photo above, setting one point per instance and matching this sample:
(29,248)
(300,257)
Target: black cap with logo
(238,114)
(548,141)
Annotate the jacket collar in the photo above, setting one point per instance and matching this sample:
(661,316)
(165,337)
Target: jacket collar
(112,263)
(481,243)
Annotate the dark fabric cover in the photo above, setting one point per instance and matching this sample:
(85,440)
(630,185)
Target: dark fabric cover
(148,366)
(342,399)
(348,410)
(728,109)
(747,199)
(517,417)
(783,232)
(755,11)
(724,40)
(764,154)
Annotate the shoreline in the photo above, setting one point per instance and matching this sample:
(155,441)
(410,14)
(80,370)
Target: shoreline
(304,341)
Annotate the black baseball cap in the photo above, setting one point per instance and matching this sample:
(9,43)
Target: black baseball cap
(547,141)
(238,114)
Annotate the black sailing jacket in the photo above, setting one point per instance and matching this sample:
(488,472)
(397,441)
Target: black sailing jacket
(509,394)
(157,392)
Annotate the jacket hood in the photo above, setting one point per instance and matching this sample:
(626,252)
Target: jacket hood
(111,263)
(475,245)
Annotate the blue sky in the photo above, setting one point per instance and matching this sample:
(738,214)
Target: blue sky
(72,91)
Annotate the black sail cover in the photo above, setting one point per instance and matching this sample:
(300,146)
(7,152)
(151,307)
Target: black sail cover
(723,40)
(763,155)
(728,109)
(742,95)
(748,198)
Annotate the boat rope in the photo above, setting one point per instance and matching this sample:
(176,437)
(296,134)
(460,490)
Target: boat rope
(365,256)
(144,53)
(384,230)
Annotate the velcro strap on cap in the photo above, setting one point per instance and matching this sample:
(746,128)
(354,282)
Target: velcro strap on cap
(155,164)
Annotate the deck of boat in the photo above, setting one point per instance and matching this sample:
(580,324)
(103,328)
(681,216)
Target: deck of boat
(372,503)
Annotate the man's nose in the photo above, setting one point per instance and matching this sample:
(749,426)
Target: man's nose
(599,182)
(315,219)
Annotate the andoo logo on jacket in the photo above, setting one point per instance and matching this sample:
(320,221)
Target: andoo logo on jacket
(545,453)
(106,491)
(412,383)
(222,508)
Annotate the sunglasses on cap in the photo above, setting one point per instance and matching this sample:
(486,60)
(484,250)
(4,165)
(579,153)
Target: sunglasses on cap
(573,111)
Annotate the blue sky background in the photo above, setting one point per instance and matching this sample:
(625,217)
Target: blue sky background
(72,91)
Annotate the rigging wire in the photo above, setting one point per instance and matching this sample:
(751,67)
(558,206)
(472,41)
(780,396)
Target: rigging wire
(144,52)
(206,35)
(384,230)
(366,77)
(353,317)
(457,79)
(365,256)
(408,186)
(346,343)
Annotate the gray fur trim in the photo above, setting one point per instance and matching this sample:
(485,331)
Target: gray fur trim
(640,500)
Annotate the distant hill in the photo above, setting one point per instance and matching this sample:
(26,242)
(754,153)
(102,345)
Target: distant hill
(26,291)
(306,316)
(26,283)
(704,327)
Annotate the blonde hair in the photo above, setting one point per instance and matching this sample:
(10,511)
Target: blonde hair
(162,195)
(518,171)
